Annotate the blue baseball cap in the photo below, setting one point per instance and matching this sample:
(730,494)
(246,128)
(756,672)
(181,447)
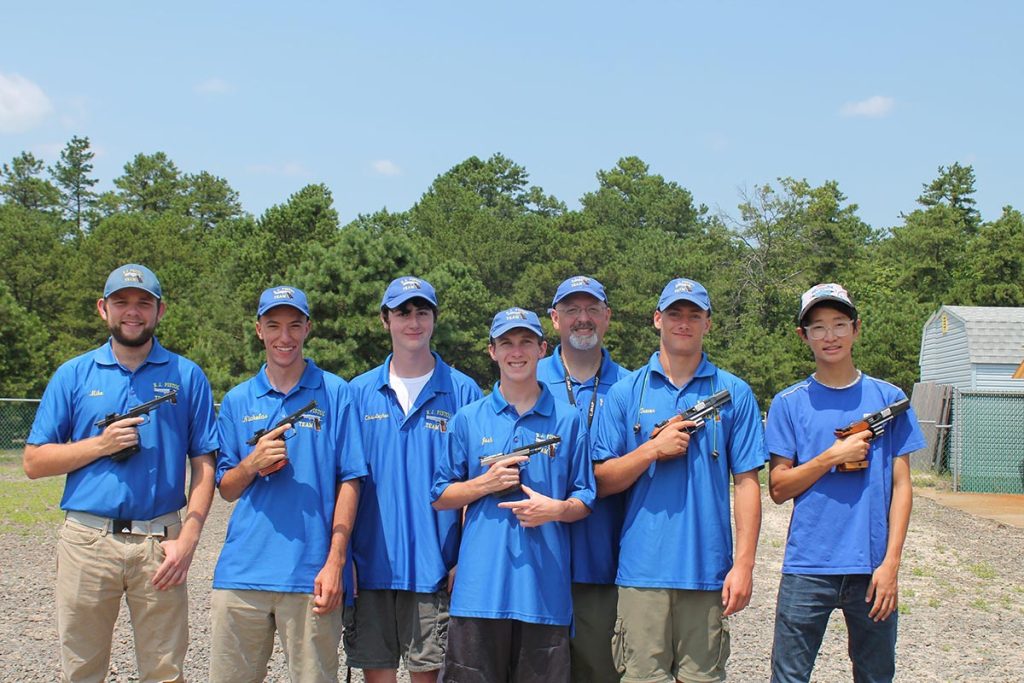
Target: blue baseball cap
(682,289)
(512,318)
(408,287)
(135,276)
(283,296)
(580,284)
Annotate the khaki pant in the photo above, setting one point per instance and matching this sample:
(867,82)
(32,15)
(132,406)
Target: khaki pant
(94,569)
(665,634)
(243,624)
(594,609)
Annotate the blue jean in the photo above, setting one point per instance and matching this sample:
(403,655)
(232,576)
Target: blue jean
(801,615)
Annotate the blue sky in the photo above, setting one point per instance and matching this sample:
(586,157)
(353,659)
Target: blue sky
(377,99)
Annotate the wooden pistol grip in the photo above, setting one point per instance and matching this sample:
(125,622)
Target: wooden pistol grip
(852,466)
(270,469)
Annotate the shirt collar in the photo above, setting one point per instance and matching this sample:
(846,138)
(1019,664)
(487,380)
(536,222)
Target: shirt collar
(437,382)
(157,354)
(545,404)
(606,363)
(312,378)
(704,369)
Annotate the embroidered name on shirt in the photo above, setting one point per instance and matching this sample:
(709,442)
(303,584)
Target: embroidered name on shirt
(253,418)
(486,440)
(95,392)
(375,416)
(646,411)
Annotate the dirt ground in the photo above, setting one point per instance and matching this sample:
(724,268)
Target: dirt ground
(961,613)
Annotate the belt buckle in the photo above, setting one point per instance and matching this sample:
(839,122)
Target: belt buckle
(122,526)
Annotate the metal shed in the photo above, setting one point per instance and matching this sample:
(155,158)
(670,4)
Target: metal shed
(977,350)
(974,347)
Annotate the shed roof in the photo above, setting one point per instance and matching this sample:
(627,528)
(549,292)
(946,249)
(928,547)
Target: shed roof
(995,334)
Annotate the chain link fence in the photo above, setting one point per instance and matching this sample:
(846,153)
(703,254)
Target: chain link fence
(987,454)
(16,415)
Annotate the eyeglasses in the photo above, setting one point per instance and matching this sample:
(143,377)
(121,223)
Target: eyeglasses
(818,332)
(575,311)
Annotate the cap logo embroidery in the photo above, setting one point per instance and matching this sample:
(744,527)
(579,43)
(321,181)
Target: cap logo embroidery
(411,283)
(284,293)
(579,281)
(131,275)
(684,286)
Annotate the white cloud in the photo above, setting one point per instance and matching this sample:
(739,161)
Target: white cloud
(874,107)
(23,104)
(214,86)
(385,167)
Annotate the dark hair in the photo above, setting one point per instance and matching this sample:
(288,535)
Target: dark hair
(417,303)
(834,305)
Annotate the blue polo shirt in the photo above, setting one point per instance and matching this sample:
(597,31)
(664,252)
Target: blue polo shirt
(677,532)
(400,542)
(280,530)
(595,538)
(840,525)
(505,570)
(150,483)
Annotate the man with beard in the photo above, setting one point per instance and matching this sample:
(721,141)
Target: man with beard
(122,533)
(580,372)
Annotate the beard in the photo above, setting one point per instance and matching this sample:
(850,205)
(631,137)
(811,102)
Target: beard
(584,341)
(144,336)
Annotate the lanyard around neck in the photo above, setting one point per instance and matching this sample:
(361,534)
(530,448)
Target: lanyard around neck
(572,398)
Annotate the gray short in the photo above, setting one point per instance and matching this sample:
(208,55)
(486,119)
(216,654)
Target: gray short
(385,627)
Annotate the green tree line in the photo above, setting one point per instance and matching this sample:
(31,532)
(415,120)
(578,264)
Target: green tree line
(487,239)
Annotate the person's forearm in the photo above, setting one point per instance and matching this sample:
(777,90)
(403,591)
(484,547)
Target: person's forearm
(786,482)
(236,480)
(344,517)
(200,497)
(615,475)
(899,511)
(460,494)
(575,510)
(747,513)
(53,459)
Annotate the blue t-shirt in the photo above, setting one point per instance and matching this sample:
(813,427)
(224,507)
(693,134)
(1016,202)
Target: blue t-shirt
(400,542)
(150,483)
(840,525)
(677,532)
(595,538)
(507,571)
(280,530)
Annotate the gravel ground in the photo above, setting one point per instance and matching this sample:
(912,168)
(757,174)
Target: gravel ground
(961,612)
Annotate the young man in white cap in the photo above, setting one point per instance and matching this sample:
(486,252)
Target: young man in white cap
(122,533)
(580,372)
(848,527)
(511,606)
(403,549)
(678,581)
(296,486)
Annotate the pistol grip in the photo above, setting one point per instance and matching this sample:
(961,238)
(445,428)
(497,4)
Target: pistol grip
(125,453)
(852,466)
(270,469)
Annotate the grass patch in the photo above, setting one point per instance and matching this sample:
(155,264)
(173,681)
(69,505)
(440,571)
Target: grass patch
(920,571)
(903,608)
(776,543)
(25,503)
(929,479)
(981,604)
(983,570)
(933,602)
(908,592)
